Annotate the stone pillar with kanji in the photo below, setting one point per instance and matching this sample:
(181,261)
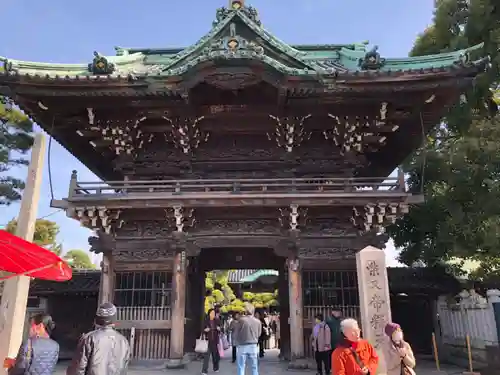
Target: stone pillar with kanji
(374,298)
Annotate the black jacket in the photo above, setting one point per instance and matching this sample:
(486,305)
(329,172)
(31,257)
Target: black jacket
(101,352)
(212,335)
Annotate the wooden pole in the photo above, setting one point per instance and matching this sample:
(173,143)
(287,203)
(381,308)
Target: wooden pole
(469,352)
(296,310)
(16,289)
(178,312)
(436,353)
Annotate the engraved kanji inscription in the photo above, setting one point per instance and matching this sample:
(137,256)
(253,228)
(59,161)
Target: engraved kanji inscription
(374,284)
(373,268)
(377,302)
(378,321)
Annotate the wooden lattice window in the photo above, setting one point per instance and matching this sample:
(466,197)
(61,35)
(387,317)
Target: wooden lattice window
(330,288)
(143,288)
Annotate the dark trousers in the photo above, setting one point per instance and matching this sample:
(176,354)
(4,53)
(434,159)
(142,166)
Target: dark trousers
(261,347)
(234,353)
(213,352)
(323,360)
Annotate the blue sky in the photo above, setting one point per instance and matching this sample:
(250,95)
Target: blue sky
(62,31)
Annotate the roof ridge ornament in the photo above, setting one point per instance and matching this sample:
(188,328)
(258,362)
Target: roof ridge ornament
(372,60)
(236,6)
(100,65)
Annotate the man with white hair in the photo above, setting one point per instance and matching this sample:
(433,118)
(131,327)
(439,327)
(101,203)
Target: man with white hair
(353,355)
(246,335)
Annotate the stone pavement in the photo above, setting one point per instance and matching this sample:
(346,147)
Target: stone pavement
(269,365)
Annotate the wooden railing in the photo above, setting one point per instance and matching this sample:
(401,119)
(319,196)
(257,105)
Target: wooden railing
(141,313)
(239,186)
(147,344)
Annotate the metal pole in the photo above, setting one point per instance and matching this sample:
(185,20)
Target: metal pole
(15,290)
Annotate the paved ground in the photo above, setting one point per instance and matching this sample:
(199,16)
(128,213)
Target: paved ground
(269,365)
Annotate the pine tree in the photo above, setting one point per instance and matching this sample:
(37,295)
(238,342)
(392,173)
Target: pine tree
(15,140)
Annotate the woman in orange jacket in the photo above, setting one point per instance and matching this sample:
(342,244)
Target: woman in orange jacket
(353,356)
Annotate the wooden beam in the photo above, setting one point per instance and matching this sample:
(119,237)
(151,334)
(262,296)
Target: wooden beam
(144,324)
(158,200)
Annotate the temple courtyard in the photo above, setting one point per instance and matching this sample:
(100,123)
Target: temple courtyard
(269,365)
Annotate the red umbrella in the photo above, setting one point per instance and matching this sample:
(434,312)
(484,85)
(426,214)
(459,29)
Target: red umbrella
(19,257)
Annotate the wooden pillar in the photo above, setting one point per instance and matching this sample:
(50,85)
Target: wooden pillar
(178,311)
(296,310)
(284,298)
(194,304)
(16,289)
(106,288)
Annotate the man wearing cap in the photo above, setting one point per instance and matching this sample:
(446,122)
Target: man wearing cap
(103,351)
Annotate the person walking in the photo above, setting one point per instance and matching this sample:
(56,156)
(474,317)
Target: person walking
(264,333)
(103,351)
(277,332)
(39,354)
(353,355)
(212,329)
(246,334)
(320,340)
(398,355)
(234,321)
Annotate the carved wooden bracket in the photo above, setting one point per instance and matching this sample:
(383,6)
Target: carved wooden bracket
(180,218)
(97,218)
(356,134)
(377,215)
(102,243)
(185,133)
(121,136)
(289,132)
(293,217)
(286,248)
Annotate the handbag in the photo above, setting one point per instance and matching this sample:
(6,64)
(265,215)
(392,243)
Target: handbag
(220,348)
(405,370)
(225,342)
(201,345)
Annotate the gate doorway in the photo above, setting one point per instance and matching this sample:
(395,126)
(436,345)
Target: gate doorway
(271,268)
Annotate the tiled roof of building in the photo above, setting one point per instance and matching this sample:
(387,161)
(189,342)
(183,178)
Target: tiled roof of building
(401,280)
(253,277)
(83,281)
(235,276)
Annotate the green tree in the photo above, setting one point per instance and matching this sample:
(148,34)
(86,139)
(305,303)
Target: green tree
(209,303)
(45,235)
(236,305)
(460,164)
(209,282)
(79,259)
(218,296)
(248,296)
(15,140)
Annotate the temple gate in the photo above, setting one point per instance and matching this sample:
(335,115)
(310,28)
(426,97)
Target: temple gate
(238,152)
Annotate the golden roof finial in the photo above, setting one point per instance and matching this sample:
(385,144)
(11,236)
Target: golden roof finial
(236,4)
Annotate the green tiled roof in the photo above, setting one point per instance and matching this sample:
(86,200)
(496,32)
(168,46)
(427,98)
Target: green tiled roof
(239,35)
(258,274)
